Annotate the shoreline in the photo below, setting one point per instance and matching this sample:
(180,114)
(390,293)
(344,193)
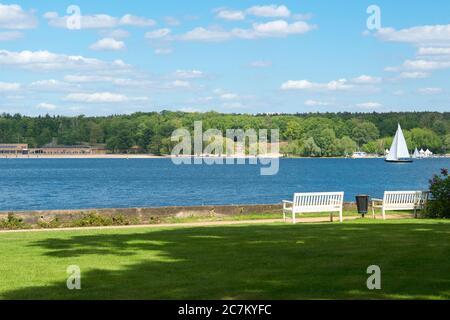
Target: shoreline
(149,156)
(84,156)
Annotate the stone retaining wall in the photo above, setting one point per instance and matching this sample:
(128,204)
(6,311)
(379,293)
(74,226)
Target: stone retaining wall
(147,215)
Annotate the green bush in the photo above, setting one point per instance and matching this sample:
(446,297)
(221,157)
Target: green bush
(96,220)
(439,205)
(121,220)
(12,223)
(91,219)
(52,224)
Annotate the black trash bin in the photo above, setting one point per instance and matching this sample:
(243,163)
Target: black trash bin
(362,202)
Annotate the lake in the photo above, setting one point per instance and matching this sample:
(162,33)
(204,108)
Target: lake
(41,184)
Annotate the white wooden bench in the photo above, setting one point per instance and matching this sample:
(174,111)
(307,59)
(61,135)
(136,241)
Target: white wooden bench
(401,200)
(314,202)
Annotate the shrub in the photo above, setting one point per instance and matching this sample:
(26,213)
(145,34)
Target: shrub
(52,224)
(12,222)
(439,205)
(122,220)
(92,219)
(96,220)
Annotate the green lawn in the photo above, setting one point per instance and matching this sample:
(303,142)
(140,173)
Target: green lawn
(275,261)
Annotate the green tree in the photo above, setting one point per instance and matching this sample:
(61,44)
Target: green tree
(426,139)
(363,132)
(293,130)
(345,146)
(447,143)
(326,141)
(310,148)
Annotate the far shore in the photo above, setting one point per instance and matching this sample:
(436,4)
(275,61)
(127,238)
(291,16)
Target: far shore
(150,156)
(81,156)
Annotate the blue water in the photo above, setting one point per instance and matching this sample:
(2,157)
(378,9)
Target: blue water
(39,184)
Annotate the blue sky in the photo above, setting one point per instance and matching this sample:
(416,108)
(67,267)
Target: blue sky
(226,56)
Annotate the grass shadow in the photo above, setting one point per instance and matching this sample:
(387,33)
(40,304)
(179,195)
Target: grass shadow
(314,261)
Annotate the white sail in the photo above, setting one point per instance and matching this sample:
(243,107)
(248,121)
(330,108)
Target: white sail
(416,154)
(399,148)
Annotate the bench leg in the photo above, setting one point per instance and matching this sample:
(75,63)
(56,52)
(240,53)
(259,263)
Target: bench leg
(331,217)
(341,218)
(373,212)
(284,216)
(293,217)
(384,214)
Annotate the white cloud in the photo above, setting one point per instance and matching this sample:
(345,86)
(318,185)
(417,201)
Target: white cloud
(179,84)
(108,44)
(315,103)
(336,85)
(51,85)
(87,21)
(231,15)
(46,106)
(45,60)
(116,34)
(281,27)
(99,21)
(229,96)
(269,11)
(130,20)
(10,35)
(158,34)
(430,91)
(414,75)
(102,97)
(123,82)
(277,28)
(9,86)
(261,64)
(433,51)
(426,65)
(365,79)
(14,17)
(434,34)
(369,105)
(202,34)
(189,74)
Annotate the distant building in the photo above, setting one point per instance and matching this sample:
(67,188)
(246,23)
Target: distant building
(359,155)
(13,148)
(62,150)
(51,149)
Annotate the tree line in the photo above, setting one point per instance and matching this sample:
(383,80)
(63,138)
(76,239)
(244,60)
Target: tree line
(312,134)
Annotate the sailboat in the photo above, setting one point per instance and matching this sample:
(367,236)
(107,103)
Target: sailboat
(416,154)
(399,150)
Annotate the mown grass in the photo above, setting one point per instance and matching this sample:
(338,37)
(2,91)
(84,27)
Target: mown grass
(265,216)
(263,261)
